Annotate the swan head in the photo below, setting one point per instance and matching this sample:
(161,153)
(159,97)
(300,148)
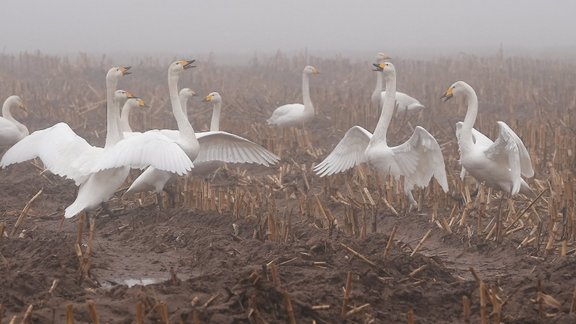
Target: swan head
(117,72)
(382,57)
(213,97)
(456,89)
(180,65)
(309,69)
(387,68)
(187,93)
(121,96)
(15,101)
(136,102)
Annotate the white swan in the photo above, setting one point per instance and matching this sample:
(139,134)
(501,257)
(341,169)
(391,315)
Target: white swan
(500,164)
(296,114)
(11,130)
(404,103)
(135,102)
(417,160)
(216,147)
(61,150)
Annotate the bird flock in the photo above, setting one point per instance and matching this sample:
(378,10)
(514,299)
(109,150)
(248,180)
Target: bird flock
(165,153)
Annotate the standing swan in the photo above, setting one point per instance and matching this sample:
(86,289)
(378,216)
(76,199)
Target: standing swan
(296,114)
(216,147)
(500,164)
(404,103)
(417,160)
(125,115)
(11,130)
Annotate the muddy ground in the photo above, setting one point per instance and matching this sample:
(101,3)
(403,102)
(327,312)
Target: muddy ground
(190,265)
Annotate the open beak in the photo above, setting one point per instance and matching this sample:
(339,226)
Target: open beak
(208,98)
(188,64)
(141,103)
(447,95)
(124,70)
(378,67)
(130,95)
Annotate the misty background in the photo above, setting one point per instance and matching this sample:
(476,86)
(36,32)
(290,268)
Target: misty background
(415,28)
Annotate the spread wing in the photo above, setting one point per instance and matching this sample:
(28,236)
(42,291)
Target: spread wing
(230,148)
(348,153)
(61,150)
(141,150)
(419,159)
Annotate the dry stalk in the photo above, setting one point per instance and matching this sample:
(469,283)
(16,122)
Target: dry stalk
(390,240)
(466,309)
(163,311)
(139,312)
(53,287)
(13,319)
(410,316)
(2,226)
(483,313)
(24,213)
(356,310)
(417,270)
(289,309)
(69,314)
(573,303)
(27,314)
(363,258)
(92,311)
(424,238)
(347,290)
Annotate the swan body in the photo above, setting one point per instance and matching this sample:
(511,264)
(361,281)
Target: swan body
(216,147)
(417,160)
(11,130)
(296,114)
(125,115)
(61,150)
(499,164)
(404,102)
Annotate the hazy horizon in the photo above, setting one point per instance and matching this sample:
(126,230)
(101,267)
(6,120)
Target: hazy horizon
(405,28)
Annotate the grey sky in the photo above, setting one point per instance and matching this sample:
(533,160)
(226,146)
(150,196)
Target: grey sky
(248,26)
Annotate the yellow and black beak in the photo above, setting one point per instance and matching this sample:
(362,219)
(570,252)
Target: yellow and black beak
(141,102)
(124,70)
(187,64)
(448,94)
(208,98)
(316,71)
(129,95)
(379,67)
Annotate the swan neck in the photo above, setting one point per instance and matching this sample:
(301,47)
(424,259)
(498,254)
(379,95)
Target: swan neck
(125,118)
(215,122)
(6,112)
(470,119)
(184,104)
(388,104)
(184,126)
(113,132)
(306,92)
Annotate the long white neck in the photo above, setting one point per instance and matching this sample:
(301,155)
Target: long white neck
(378,89)
(308,107)
(184,126)
(215,122)
(184,103)
(113,131)
(7,113)
(125,118)
(471,113)
(387,111)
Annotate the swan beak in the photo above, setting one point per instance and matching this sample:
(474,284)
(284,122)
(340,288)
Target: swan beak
(21,106)
(141,103)
(378,67)
(188,64)
(447,95)
(316,71)
(130,95)
(208,98)
(124,70)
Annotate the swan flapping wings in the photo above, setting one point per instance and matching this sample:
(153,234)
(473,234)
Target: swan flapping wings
(348,153)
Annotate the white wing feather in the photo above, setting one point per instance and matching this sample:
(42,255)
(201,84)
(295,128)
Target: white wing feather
(230,148)
(419,159)
(61,150)
(149,148)
(348,153)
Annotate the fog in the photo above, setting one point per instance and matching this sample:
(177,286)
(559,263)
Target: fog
(403,27)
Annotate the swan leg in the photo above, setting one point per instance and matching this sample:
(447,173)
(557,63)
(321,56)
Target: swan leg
(412,202)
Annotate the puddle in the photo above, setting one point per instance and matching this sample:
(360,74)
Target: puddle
(131,282)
